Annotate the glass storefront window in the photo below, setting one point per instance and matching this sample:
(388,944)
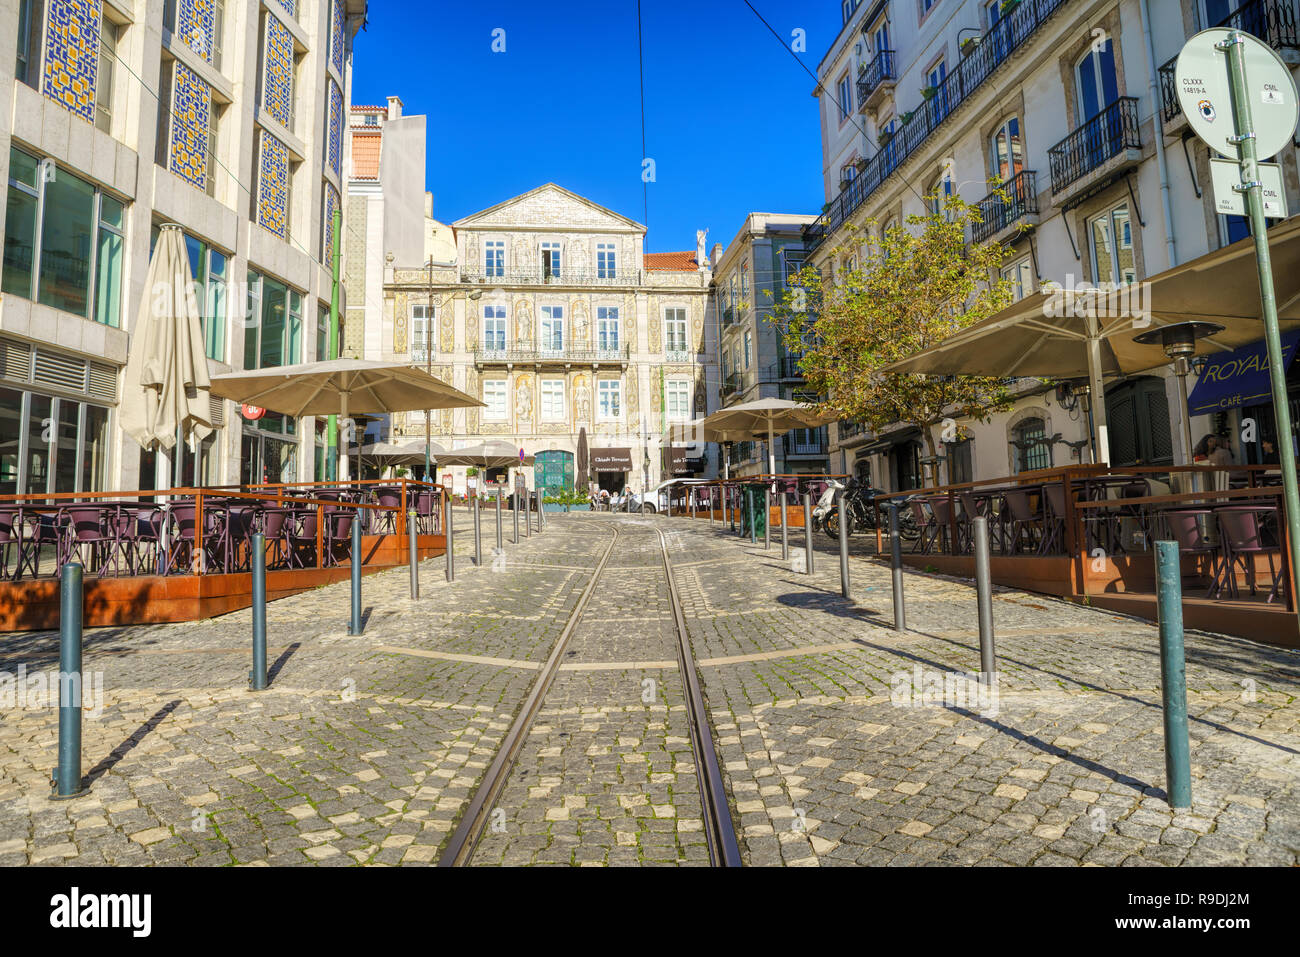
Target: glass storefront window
(65,468)
(275,340)
(94,448)
(67,235)
(108,263)
(39,430)
(11,416)
(63,447)
(20,225)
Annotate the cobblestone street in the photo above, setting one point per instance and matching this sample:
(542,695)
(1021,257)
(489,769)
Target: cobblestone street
(367,749)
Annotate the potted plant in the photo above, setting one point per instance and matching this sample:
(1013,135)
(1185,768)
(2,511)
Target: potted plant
(929,92)
(968,45)
(1008,6)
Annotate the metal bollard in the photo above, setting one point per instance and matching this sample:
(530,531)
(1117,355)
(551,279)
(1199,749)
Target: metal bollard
(844,549)
(537,499)
(515,509)
(984,596)
(451,542)
(413,554)
(751,510)
(896,568)
(712,504)
(498,520)
(66,780)
(354,626)
(785,531)
(478,535)
(1173,674)
(257,677)
(767,518)
(527,499)
(807,533)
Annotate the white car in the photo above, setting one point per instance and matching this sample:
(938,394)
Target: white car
(675,490)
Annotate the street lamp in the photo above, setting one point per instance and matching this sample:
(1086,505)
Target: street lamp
(1179,342)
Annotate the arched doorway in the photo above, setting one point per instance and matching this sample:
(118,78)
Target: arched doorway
(1137,413)
(553,471)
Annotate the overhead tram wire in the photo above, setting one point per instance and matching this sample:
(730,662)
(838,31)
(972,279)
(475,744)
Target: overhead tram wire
(852,118)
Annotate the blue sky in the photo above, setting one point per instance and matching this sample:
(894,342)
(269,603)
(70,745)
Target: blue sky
(730,120)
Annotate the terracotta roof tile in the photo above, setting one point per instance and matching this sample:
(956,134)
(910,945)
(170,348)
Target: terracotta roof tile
(365,155)
(681,260)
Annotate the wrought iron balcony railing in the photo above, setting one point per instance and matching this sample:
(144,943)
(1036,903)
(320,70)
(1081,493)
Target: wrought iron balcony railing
(1003,39)
(997,212)
(845,429)
(880,70)
(537,354)
(564,277)
(678,355)
(1107,134)
(1273,21)
(801,442)
(733,382)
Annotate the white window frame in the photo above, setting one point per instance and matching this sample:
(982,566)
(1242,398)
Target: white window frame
(491,246)
(494,398)
(552,316)
(423,316)
(609,392)
(606,261)
(844,97)
(1114,238)
(1021,275)
(557,259)
(675,318)
(677,400)
(607,321)
(493,314)
(553,400)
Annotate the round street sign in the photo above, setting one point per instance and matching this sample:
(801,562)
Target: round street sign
(1204,93)
(252,412)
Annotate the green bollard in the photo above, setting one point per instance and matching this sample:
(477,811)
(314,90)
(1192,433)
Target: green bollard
(257,677)
(66,781)
(1173,674)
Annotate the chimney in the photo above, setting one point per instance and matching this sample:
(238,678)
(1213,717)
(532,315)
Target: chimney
(428,205)
(394,107)
(717,253)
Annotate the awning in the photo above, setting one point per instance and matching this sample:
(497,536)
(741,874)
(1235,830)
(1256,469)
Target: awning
(611,460)
(1237,378)
(674,460)
(887,442)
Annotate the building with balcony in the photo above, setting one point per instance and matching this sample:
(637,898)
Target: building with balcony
(553,314)
(749,278)
(224,118)
(1059,120)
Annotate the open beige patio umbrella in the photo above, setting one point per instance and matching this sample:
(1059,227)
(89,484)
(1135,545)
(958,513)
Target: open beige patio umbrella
(400,453)
(1045,336)
(339,387)
(762,418)
(165,391)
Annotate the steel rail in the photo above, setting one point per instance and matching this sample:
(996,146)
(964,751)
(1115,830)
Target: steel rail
(718,827)
(460,848)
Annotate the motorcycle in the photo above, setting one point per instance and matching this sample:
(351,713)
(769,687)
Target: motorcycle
(861,514)
(826,504)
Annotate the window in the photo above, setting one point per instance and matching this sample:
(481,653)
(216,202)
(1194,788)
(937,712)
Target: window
(218,32)
(494,328)
(63,241)
(1007,151)
(52,444)
(31,18)
(847,7)
(1097,84)
(940,193)
(609,394)
(104,76)
(1032,451)
(748,345)
(1110,237)
(552,329)
(550,261)
(880,39)
(744,281)
(677,400)
(935,77)
(926,6)
(960,467)
(993,13)
(215,116)
(371,120)
(606,261)
(274,335)
(322,332)
(607,328)
(1021,276)
(494,397)
(494,257)
(208,269)
(735,299)
(675,330)
(552,400)
(421,330)
(844,96)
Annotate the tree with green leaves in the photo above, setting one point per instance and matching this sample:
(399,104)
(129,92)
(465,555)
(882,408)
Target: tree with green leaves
(884,296)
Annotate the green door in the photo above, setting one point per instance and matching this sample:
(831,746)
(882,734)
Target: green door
(554,471)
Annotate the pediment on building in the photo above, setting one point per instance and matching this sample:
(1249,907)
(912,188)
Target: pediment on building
(549,207)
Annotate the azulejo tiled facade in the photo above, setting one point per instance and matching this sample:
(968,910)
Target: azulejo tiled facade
(273,186)
(197,25)
(191,118)
(331,205)
(72,54)
(277,84)
(335,153)
(336,35)
(290,6)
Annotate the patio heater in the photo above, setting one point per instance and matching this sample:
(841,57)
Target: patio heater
(1179,342)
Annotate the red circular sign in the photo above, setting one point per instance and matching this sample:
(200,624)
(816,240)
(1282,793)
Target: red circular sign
(252,412)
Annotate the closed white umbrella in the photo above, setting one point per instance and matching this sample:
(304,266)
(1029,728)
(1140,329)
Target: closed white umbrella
(166,382)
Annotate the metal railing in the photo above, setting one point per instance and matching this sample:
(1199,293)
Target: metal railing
(995,48)
(803,444)
(879,70)
(561,354)
(1273,21)
(733,382)
(1107,134)
(998,211)
(562,277)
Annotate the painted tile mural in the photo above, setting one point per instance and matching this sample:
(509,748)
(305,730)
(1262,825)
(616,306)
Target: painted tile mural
(191,119)
(273,186)
(336,35)
(334,157)
(290,6)
(330,205)
(72,54)
(277,84)
(197,26)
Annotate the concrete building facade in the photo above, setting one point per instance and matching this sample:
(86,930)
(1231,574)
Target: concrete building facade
(555,317)
(1070,105)
(226,118)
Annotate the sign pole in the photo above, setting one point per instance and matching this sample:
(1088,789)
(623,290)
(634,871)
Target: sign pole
(1252,188)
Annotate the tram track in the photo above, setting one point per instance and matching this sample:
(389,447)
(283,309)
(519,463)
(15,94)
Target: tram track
(717,821)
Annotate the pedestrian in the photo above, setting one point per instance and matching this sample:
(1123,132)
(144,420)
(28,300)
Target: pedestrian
(1268,452)
(1201,454)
